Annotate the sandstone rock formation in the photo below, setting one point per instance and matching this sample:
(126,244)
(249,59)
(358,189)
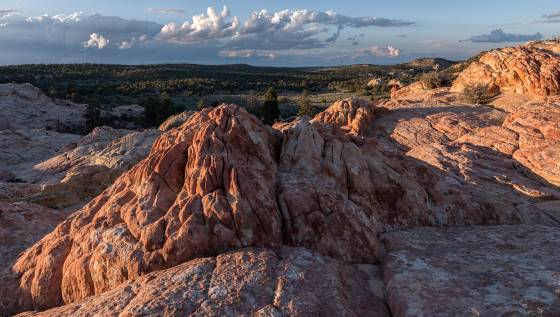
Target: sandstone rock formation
(227,216)
(223,181)
(23,148)
(60,170)
(477,271)
(21,225)
(175,121)
(25,107)
(539,139)
(533,68)
(479,149)
(352,115)
(255,282)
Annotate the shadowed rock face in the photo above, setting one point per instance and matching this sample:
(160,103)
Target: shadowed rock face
(21,225)
(223,181)
(533,68)
(25,107)
(65,170)
(477,271)
(247,282)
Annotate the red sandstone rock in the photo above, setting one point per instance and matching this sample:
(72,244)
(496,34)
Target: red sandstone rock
(223,181)
(352,115)
(533,69)
(477,271)
(248,282)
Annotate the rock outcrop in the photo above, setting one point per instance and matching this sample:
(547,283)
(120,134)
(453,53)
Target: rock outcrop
(21,149)
(351,115)
(530,69)
(248,282)
(228,216)
(539,139)
(175,121)
(25,107)
(477,271)
(62,170)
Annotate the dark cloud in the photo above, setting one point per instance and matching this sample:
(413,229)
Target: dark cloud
(553,15)
(499,36)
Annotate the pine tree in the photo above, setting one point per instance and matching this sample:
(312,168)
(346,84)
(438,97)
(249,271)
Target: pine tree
(151,106)
(271,111)
(200,104)
(305,106)
(93,118)
(157,110)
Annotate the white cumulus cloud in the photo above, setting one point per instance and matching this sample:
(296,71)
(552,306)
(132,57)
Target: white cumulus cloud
(212,25)
(247,54)
(389,51)
(125,45)
(96,41)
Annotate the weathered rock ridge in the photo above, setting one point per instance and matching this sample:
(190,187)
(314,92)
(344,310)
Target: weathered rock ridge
(223,215)
(223,181)
(530,69)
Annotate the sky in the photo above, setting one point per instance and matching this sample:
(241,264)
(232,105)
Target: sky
(276,33)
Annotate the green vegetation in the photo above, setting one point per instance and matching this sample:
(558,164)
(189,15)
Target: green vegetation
(432,80)
(157,110)
(166,89)
(93,118)
(305,106)
(478,94)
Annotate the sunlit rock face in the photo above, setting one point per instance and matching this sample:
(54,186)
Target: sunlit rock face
(533,68)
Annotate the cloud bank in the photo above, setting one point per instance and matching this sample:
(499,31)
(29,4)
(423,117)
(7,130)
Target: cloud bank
(205,38)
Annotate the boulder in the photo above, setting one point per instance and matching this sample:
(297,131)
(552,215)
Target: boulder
(351,115)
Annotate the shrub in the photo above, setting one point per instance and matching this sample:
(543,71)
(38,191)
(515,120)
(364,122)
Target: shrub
(478,94)
(432,80)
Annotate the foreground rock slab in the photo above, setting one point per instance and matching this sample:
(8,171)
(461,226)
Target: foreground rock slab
(477,271)
(255,282)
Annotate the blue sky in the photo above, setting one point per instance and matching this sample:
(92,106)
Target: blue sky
(309,33)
